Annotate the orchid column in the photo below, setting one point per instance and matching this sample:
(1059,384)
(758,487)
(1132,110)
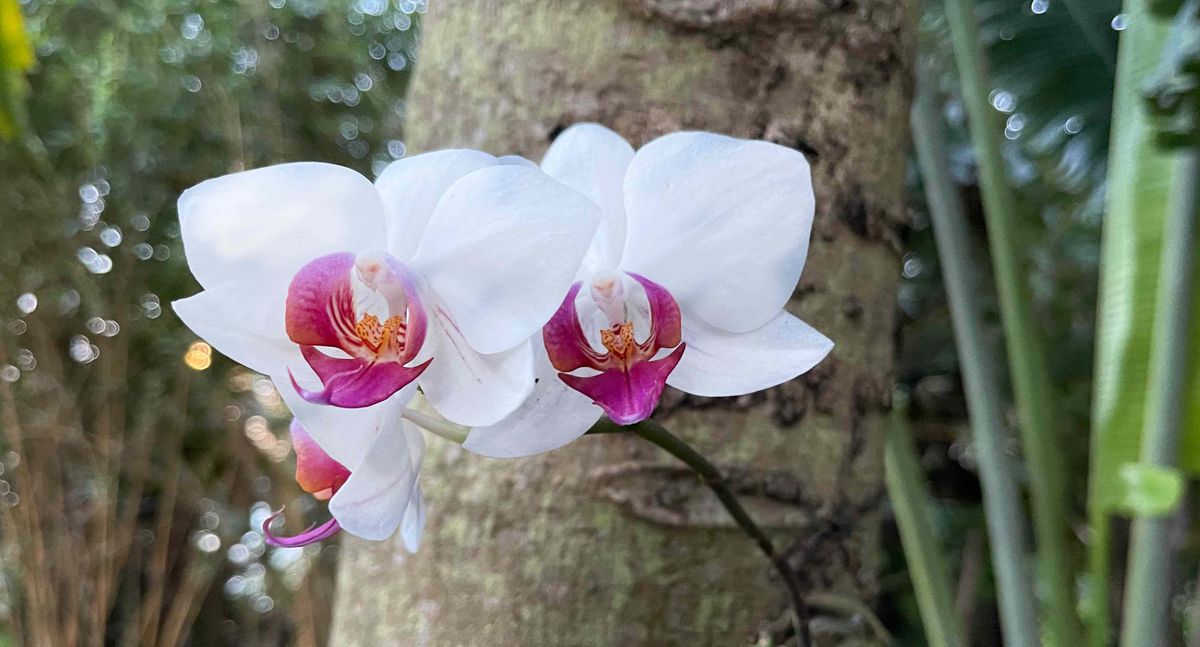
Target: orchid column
(608,540)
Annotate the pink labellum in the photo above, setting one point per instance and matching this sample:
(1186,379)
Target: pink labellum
(630,380)
(627,396)
(366,306)
(359,383)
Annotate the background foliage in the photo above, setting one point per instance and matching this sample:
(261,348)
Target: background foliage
(138,464)
(1052,73)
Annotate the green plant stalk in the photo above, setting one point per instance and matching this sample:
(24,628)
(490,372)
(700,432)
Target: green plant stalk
(711,476)
(1147,595)
(1139,186)
(1001,497)
(1026,359)
(907,491)
(437,425)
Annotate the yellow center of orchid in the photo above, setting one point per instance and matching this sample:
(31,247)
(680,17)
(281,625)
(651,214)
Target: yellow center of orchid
(618,339)
(376,335)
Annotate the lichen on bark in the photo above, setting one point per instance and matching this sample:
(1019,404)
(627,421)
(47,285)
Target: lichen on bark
(606,542)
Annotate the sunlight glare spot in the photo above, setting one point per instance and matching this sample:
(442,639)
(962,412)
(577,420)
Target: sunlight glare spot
(198,356)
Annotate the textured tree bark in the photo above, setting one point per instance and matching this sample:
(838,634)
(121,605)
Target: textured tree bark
(608,541)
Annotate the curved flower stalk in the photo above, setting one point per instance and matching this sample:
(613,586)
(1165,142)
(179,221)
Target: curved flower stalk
(702,242)
(349,295)
(390,476)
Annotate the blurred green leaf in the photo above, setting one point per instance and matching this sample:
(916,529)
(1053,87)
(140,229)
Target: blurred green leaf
(15,50)
(1140,175)
(1149,490)
(16,56)
(1172,94)
(1057,67)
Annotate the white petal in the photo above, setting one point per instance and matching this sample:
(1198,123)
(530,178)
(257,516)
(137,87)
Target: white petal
(515,159)
(247,234)
(720,363)
(551,417)
(207,316)
(501,250)
(592,160)
(373,501)
(413,525)
(722,223)
(414,522)
(470,388)
(345,434)
(411,188)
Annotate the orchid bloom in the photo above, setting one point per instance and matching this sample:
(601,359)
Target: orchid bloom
(702,243)
(349,295)
(322,477)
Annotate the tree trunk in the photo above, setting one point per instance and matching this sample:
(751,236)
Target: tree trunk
(609,541)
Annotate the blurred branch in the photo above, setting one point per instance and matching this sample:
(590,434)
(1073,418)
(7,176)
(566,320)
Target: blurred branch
(185,603)
(1001,499)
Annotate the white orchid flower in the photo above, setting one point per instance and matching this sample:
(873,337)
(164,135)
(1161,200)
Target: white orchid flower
(703,241)
(349,295)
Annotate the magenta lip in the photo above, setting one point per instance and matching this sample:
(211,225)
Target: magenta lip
(627,386)
(320,313)
(313,535)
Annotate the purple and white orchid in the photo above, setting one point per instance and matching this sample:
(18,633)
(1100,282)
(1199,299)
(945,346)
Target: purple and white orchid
(449,273)
(703,241)
(350,294)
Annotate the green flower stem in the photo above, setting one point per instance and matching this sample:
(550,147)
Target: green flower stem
(437,426)
(711,476)
(908,493)
(1001,499)
(1147,594)
(1026,359)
